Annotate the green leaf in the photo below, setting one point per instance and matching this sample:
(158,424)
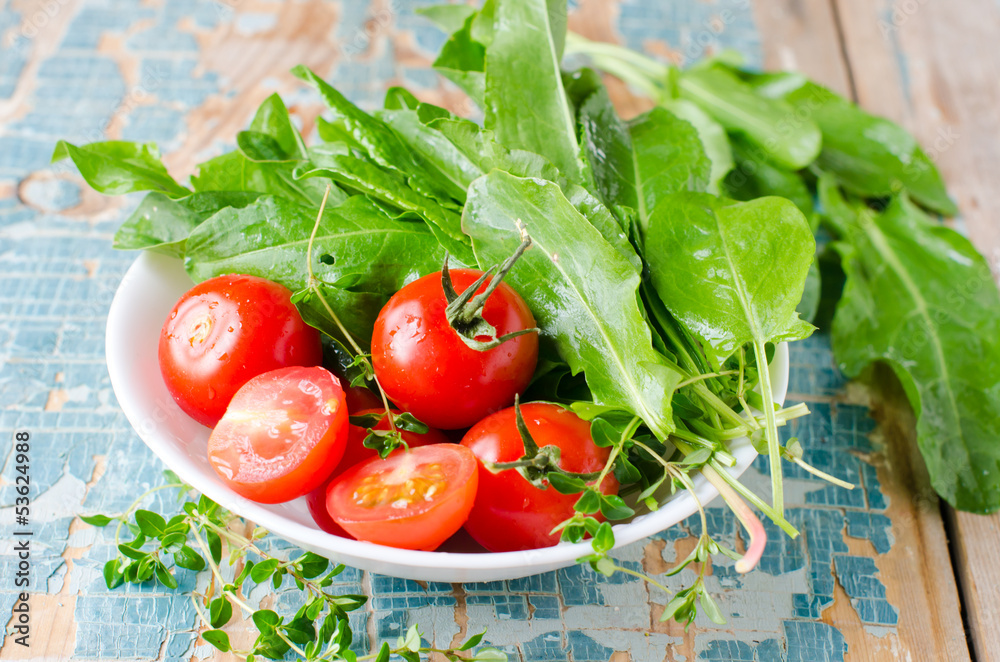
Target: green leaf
(173,542)
(440,156)
(489,655)
(771,124)
(603,433)
(220,610)
(272,120)
(921,299)
(214,546)
(132,552)
(117,167)
(266,620)
(378,141)
(613,507)
(113,575)
(756,177)
(583,292)
(97,520)
(300,630)
(383,653)
(390,187)
(870,156)
(755,256)
(447,17)
(667,157)
(164,575)
(714,140)
(481,148)
(588,503)
(565,484)
(462,60)
(234,172)
(710,608)
(150,523)
(604,539)
(190,559)
(217,638)
(262,571)
(312,565)
(523,79)
(374,253)
(411,641)
(473,641)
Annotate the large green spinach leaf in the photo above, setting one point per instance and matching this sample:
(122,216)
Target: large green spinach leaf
(869,155)
(358,250)
(162,224)
(117,167)
(523,80)
(920,298)
(772,124)
(583,292)
(751,261)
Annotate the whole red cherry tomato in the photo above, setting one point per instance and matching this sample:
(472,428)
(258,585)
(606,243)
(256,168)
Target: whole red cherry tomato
(282,435)
(510,513)
(224,331)
(357,452)
(414,499)
(426,368)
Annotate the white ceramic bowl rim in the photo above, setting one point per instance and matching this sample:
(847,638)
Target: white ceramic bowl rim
(143,300)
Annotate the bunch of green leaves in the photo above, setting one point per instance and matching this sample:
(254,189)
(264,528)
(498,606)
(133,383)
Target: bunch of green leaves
(917,295)
(202,535)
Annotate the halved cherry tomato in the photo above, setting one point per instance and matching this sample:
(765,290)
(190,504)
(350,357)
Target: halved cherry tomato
(357,452)
(426,368)
(510,513)
(224,331)
(282,435)
(413,500)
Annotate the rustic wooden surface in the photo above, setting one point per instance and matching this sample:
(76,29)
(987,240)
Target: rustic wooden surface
(928,65)
(190,77)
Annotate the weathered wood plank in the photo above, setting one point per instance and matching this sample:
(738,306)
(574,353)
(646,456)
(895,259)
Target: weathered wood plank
(802,36)
(932,66)
(820,39)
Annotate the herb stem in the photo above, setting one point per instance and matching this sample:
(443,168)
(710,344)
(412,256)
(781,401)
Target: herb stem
(336,319)
(773,446)
(646,578)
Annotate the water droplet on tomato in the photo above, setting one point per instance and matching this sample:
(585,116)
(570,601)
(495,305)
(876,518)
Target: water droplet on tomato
(231,329)
(224,356)
(211,393)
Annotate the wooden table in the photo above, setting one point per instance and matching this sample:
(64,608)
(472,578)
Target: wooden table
(882,573)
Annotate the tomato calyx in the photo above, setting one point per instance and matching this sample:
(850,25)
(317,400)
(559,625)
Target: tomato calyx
(465,311)
(386,441)
(538,464)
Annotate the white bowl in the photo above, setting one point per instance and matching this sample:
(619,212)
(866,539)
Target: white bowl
(144,299)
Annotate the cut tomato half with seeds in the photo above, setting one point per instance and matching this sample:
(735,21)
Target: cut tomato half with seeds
(355,453)
(414,499)
(283,433)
